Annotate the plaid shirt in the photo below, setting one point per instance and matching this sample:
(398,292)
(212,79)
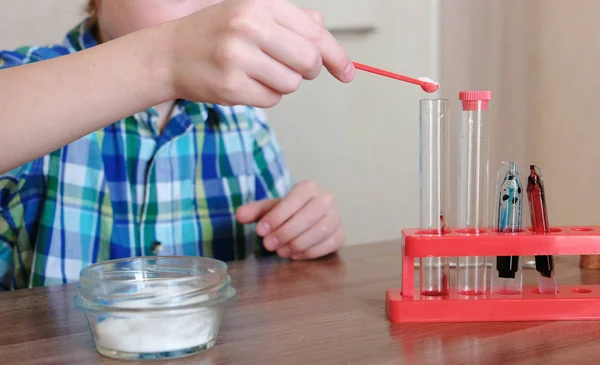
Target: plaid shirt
(129,190)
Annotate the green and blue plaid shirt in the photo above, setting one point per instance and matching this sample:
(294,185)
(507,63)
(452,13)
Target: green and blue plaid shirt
(129,190)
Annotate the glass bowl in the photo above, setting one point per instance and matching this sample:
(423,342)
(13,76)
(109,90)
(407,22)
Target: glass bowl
(154,307)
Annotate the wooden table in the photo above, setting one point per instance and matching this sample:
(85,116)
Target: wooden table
(324,312)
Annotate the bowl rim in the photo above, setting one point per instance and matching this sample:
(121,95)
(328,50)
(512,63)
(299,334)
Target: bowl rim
(88,306)
(218,288)
(223,265)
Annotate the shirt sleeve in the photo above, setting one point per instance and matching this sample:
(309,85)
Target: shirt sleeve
(25,55)
(21,191)
(21,194)
(273,178)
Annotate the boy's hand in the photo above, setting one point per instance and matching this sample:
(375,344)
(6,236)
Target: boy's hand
(305,224)
(250,52)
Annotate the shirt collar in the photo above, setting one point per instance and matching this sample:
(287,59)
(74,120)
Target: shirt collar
(82,36)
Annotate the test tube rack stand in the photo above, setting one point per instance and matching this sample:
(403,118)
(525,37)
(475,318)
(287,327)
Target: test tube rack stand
(580,302)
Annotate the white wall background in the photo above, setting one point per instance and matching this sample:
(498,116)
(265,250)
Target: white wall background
(566,121)
(360,141)
(542,60)
(37,22)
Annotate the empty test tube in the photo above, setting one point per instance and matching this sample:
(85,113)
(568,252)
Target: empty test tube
(434,271)
(507,273)
(473,185)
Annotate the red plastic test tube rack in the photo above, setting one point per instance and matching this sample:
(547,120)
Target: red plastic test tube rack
(581,302)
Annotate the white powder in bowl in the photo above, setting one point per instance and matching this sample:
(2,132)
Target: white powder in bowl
(142,334)
(168,330)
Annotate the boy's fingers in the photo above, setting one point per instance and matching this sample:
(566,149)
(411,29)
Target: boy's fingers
(308,219)
(331,245)
(300,194)
(253,211)
(316,15)
(301,22)
(347,65)
(292,50)
(258,95)
(335,58)
(273,74)
(322,230)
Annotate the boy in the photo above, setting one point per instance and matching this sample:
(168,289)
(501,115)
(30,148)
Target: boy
(185,170)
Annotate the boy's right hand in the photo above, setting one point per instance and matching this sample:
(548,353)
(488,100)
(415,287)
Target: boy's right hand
(251,52)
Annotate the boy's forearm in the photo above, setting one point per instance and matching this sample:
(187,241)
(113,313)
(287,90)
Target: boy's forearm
(48,104)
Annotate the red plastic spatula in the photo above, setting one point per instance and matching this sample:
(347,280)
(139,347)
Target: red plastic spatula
(426,84)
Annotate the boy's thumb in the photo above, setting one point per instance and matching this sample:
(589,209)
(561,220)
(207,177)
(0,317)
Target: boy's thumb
(254,211)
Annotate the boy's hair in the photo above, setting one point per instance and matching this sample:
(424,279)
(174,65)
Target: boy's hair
(90,8)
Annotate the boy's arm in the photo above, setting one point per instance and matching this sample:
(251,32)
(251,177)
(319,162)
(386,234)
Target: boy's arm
(45,105)
(233,53)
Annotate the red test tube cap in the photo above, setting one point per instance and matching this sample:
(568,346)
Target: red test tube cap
(475,99)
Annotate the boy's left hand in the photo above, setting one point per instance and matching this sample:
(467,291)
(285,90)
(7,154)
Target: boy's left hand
(305,224)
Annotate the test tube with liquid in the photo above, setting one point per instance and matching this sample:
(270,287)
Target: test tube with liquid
(473,185)
(434,114)
(507,272)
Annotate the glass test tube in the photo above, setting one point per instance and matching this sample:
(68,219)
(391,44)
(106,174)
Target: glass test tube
(536,195)
(473,185)
(434,113)
(507,272)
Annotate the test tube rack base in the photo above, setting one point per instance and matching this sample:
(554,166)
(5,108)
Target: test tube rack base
(581,302)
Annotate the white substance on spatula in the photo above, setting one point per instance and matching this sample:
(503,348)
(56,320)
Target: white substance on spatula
(157,332)
(427,79)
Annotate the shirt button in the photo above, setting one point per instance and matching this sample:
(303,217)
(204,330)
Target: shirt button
(157,248)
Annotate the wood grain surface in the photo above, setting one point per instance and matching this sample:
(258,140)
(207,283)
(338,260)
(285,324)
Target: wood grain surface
(329,311)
